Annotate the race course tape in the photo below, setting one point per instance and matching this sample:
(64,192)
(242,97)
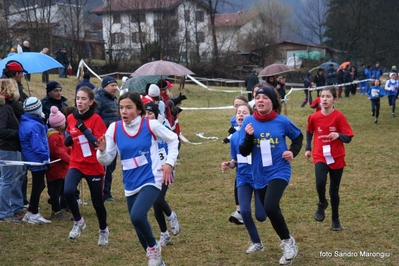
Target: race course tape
(207,108)
(200,135)
(23,163)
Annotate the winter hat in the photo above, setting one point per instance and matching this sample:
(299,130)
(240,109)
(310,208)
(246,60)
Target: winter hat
(162,84)
(56,118)
(52,85)
(153,90)
(308,74)
(153,108)
(393,68)
(15,66)
(33,106)
(179,99)
(269,92)
(108,80)
(392,74)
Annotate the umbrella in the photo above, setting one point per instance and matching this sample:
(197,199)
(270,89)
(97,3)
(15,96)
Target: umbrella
(275,69)
(326,65)
(32,62)
(138,84)
(344,64)
(162,68)
(314,55)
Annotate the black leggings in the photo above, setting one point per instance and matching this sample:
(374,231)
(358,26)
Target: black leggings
(321,171)
(236,192)
(37,188)
(375,107)
(270,197)
(54,188)
(161,207)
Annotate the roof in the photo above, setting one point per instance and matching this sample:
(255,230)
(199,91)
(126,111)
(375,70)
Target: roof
(125,5)
(322,46)
(233,19)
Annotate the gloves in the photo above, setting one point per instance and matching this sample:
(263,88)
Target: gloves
(81,126)
(68,141)
(231,130)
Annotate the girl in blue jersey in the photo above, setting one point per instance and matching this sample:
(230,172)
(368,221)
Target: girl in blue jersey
(161,206)
(235,217)
(135,140)
(244,184)
(264,137)
(391,90)
(375,93)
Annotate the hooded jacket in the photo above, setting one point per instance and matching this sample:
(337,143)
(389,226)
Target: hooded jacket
(9,125)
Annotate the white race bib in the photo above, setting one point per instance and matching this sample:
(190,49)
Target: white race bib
(133,163)
(84,145)
(266,152)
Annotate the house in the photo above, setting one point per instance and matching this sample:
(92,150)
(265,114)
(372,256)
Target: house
(178,29)
(235,30)
(295,52)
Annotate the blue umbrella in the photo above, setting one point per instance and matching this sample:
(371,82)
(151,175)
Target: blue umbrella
(326,65)
(32,62)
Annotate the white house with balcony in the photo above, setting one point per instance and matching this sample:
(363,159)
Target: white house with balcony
(179,27)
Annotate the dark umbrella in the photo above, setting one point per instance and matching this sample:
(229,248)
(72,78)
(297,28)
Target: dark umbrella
(138,84)
(275,69)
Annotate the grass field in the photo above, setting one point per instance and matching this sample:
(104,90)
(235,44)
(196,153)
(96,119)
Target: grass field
(203,199)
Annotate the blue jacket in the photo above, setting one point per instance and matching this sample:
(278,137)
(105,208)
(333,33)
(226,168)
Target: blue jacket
(85,82)
(34,143)
(376,72)
(107,106)
(331,74)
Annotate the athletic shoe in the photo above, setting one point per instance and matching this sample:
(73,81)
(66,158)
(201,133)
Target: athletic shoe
(103,237)
(319,214)
(26,217)
(236,218)
(154,255)
(77,228)
(80,202)
(290,250)
(61,215)
(38,219)
(336,225)
(174,223)
(164,239)
(255,247)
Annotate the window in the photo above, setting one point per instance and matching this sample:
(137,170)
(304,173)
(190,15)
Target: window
(116,18)
(200,36)
(137,17)
(136,37)
(199,16)
(187,15)
(118,37)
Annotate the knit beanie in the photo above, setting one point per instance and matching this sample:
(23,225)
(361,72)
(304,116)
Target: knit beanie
(56,118)
(108,80)
(153,90)
(33,106)
(52,85)
(153,108)
(269,92)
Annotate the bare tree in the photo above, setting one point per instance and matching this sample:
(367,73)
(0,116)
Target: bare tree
(312,21)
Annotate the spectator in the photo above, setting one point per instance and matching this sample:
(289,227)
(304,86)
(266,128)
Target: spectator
(250,82)
(281,87)
(45,75)
(376,71)
(85,82)
(331,75)
(53,98)
(319,80)
(307,83)
(26,49)
(340,80)
(347,79)
(361,75)
(108,110)
(11,177)
(62,57)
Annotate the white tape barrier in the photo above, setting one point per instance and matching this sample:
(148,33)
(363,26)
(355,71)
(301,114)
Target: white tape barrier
(24,163)
(210,89)
(207,108)
(200,135)
(81,62)
(329,86)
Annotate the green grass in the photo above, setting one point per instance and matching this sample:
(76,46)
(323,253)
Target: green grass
(203,198)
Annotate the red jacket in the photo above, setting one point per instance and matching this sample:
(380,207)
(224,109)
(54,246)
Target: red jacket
(57,151)
(87,165)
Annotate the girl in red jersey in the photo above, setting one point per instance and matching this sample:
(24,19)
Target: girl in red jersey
(84,128)
(331,130)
